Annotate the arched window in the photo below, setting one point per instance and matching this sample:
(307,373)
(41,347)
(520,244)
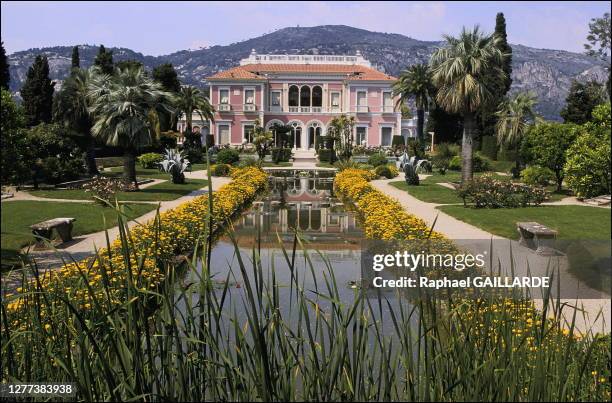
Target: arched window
(294,96)
(305,96)
(317,96)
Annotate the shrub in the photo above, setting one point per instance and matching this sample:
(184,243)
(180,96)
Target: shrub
(228,156)
(103,189)
(249,162)
(454,164)
(587,170)
(479,163)
(537,176)
(280,154)
(167,140)
(443,155)
(397,140)
(194,154)
(221,170)
(348,164)
(388,171)
(150,160)
(486,191)
(489,147)
(325,155)
(377,159)
(210,140)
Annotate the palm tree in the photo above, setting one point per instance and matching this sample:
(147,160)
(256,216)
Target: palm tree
(191,100)
(461,71)
(122,105)
(71,107)
(415,83)
(514,117)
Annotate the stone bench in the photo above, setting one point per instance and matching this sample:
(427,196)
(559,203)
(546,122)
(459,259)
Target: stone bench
(537,236)
(63,226)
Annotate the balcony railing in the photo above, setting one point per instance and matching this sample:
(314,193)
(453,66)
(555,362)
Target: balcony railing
(294,109)
(317,109)
(224,107)
(305,109)
(362,109)
(249,107)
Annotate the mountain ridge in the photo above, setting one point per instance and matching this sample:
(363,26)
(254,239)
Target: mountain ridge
(546,72)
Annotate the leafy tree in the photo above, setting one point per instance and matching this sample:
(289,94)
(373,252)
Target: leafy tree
(580,102)
(12,145)
(415,83)
(76,60)
(71,108)
(168,78)
(52,156)
(340,128)
(191,100)
(545,145)
(37,93)
(104,60)
(122,104)
(461,71)
(262,139)
(5,75)
(513,120)
(599,42)
(587,170)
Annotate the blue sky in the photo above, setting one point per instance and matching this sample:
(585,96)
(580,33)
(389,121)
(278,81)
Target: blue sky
(156,28)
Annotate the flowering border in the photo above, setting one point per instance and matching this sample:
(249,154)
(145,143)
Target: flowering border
(150,244)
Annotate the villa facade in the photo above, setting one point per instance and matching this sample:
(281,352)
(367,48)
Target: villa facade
(305,92)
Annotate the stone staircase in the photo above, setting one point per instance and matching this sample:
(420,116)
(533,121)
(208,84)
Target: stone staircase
(304,158)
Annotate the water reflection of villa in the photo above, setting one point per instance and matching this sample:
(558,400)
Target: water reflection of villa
(306,204)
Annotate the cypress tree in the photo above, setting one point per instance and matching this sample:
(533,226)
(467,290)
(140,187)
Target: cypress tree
(5,76)
(104,60)
(76,60)
(506,49)
(37,93)
(168,78)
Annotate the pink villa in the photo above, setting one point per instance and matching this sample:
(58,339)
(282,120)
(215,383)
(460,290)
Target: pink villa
(305,92)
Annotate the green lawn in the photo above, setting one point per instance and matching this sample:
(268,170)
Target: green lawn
(429,191)
(17,216)
(152,173)
(161,192)
(572,222)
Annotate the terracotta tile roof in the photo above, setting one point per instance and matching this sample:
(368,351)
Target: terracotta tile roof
(257,71)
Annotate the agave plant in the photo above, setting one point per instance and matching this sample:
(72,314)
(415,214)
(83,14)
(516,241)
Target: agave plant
(175,164)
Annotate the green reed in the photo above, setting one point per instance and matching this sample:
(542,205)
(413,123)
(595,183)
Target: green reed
(195,338)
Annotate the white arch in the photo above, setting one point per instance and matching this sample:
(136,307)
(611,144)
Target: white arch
(299,122)
(313,121)
(274,121)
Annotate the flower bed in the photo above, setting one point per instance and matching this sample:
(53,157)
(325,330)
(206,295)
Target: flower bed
(489,192)
(152,243)
(383,217)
